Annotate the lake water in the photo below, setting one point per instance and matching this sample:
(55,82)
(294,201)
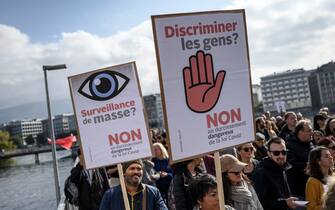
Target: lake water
(28,186)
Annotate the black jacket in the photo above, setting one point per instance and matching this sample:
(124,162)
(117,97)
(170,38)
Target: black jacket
(179,187)
(265,132)
(285,132)
(260,152)
(91,184)
(297,156)
(271,185)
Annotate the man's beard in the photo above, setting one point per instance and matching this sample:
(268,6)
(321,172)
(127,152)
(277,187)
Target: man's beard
(133,181)
(281,161)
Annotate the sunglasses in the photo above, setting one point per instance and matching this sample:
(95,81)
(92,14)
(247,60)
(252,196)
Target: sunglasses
(235,172)
(248,149)
(276,153)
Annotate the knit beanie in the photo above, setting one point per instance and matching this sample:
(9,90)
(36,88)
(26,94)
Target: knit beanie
(127,164)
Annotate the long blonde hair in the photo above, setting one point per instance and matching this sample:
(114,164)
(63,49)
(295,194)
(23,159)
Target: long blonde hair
(163,150)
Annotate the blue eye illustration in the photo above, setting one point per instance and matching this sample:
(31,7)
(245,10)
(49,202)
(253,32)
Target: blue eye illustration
(103,85)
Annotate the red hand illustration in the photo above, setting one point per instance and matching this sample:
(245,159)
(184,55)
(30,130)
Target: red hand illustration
(201,90)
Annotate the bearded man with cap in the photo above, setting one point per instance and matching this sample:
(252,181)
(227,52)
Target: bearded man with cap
(238,191)
(140,196)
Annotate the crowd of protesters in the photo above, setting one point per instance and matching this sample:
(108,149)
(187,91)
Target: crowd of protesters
(290,160)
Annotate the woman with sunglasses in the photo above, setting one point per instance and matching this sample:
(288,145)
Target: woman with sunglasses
(245,154)
(238,191)
(318,168)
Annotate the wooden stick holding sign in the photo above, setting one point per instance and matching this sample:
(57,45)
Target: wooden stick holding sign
(219,179)
(123,187)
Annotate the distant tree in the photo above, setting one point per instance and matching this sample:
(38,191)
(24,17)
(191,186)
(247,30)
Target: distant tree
(259,107)
(17,141)
(41,139)
(5,142)
(30,140)
(4,136)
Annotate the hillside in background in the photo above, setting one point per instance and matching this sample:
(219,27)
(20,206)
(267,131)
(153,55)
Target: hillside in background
(34,110)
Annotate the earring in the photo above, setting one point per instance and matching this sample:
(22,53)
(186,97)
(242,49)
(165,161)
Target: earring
(200,207)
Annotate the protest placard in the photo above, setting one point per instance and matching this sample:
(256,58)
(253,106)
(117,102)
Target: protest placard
(204,72)
(108,107)
(280,106)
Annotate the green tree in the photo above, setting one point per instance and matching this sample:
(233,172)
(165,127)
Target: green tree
(258,109)
(5,142)
(30,140)
(17,141)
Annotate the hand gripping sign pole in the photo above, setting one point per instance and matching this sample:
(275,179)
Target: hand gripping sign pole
(123,187)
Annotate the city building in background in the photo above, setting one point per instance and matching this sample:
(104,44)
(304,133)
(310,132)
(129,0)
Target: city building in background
(289,88)
(292,90)
(154,109)
(24,128)
(322,86)
(63,124)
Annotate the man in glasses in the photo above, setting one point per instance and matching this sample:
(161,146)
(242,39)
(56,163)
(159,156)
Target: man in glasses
(290,123)
(299,144)
(270,179)
(259,145)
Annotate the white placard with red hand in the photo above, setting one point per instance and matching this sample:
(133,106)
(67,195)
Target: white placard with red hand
(205,80)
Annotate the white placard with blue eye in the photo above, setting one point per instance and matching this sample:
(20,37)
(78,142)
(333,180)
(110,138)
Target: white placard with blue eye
(109,112)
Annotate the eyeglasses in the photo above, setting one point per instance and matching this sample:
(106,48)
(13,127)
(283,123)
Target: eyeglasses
(276,153)
(248,149)
(235,172)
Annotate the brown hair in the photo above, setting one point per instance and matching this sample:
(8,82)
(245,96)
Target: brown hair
(313,167)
